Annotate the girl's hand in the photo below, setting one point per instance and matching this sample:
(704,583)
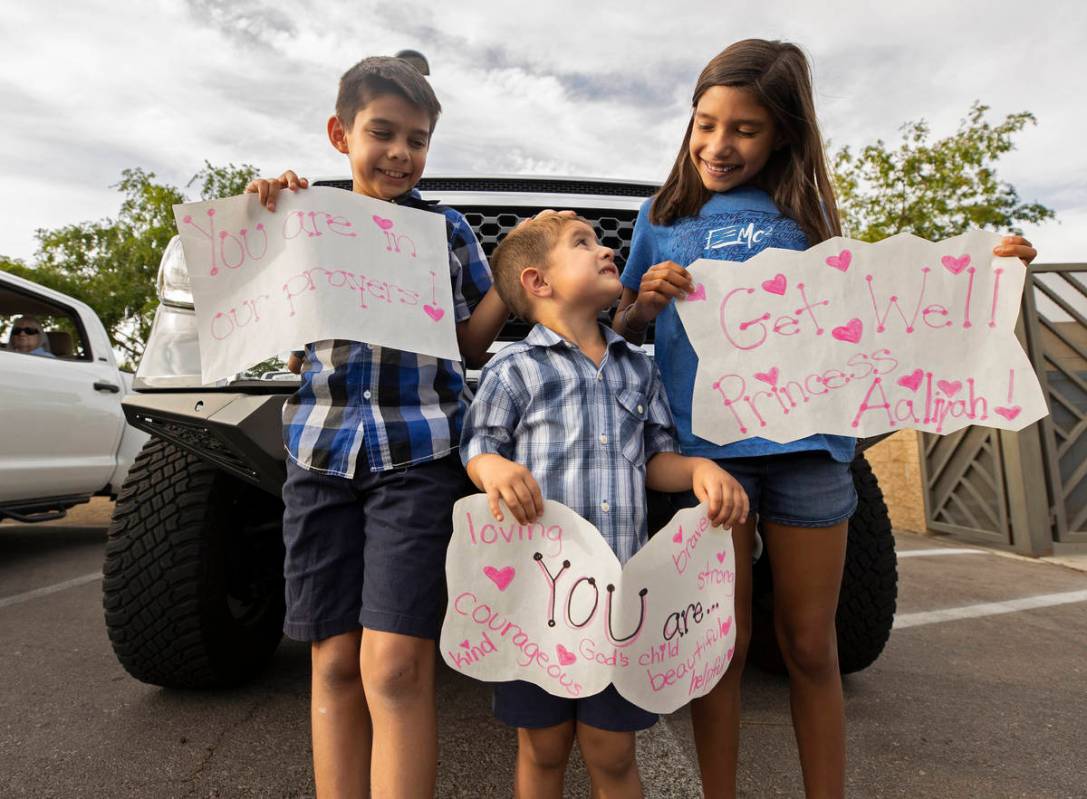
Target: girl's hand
(1016,247)
(512,482)
(660,284)
(726,498)
(266,190)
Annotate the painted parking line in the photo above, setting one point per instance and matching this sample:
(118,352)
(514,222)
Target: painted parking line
(49,589)
(926,553)
(988,609)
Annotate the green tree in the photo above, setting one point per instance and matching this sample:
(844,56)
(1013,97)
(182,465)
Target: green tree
(934,189)
(111,264)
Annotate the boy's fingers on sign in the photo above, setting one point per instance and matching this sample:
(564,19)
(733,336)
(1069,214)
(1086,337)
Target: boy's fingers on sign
(513,502)
(492,501)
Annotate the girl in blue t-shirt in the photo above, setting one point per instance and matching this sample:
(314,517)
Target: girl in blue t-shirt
(751,174)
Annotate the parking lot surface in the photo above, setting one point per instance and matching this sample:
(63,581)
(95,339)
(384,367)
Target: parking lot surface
(980,693)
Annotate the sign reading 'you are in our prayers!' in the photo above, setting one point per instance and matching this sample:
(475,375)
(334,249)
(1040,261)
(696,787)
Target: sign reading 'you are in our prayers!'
(549,603)
(327,264)
(856,339)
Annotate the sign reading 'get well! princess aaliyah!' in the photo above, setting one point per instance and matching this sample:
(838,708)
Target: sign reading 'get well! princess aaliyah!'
(328,264)
(856,339)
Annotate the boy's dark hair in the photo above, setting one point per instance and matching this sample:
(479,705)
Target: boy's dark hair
(380,75)
(796,177)
(529,244)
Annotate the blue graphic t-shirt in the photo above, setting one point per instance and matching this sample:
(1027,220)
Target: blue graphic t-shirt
(730,227)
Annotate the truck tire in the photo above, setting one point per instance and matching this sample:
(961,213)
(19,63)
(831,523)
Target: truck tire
(193,576)
(869,592)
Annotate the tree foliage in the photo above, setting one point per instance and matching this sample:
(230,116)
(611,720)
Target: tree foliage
(111,264)
(934,189)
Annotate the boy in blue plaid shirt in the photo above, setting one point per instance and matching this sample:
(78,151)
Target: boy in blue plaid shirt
(575,414)
(372,474)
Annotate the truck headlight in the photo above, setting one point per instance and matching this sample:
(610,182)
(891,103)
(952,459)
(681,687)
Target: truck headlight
(174,286)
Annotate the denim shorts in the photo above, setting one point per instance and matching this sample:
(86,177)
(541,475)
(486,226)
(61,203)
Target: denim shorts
(798,489)
(523,704)
(368,551)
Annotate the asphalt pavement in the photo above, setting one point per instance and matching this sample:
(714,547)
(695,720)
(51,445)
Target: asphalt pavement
(981,692)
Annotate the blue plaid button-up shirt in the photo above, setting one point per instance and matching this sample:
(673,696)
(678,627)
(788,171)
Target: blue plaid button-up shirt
(395,408)
(585,432)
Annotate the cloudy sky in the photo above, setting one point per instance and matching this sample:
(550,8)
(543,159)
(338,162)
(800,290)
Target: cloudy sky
(577,88)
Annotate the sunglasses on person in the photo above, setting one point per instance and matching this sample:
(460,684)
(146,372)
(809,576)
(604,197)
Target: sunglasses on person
(30,331)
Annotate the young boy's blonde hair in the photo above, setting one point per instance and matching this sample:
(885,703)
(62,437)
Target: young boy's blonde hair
(528,245)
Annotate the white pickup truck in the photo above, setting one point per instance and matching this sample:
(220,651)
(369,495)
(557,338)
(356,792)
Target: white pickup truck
(63,434)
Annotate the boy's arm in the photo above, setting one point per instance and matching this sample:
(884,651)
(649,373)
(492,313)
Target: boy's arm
(475,334)
(726,498)
(667,470)
(485,444)
(480,312)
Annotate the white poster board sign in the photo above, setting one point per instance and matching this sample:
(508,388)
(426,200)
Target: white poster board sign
(856,339)
(549,603)
(326,264)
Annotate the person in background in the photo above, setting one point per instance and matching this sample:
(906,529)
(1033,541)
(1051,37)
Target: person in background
(27,336)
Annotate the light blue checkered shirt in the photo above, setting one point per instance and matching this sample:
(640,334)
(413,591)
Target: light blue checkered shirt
(584,432)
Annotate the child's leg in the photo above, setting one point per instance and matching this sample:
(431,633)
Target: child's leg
(398,677)
(339,718)
(408,522)
(542,755)
(716,716)
(609,757)
(807,568)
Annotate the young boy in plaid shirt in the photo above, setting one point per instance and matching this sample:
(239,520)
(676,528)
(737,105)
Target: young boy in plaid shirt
(372,474)
(575,414)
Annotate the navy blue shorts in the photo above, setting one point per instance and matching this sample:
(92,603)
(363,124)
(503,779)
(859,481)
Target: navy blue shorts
(368,551)
(523,704)
(798,489)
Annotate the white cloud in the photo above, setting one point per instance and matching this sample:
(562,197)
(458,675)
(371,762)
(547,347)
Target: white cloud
(564,87)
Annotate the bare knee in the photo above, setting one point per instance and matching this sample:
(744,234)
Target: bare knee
(335,663)
(742,644)
(397,669)
(608,754)
(809,651)
(546,749)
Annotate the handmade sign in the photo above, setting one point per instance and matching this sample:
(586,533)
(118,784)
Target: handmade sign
(857,339)
(327,264)
(549,603)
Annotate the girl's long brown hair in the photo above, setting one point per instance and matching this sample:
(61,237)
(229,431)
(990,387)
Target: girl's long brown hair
(796,176)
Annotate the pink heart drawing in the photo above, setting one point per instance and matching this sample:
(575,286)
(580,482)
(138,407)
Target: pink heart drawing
(729,653)
(841,261)
(566,657)
(912,380)
(850,331)
(678,537)
(699,293)
(770,377)
(1008,413)
(434,312)
(465,643)
(382,222)
(721,556)
(949,387)
(725,628)
(955,265)
(500,577)
(775,286)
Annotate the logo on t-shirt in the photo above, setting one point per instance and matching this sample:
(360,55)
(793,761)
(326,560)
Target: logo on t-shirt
(736,235)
